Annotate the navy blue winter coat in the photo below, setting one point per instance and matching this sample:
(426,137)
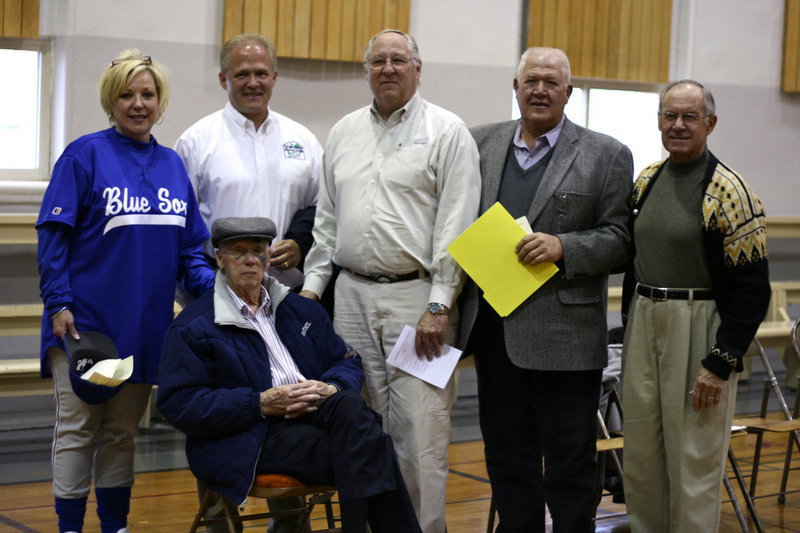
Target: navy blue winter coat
(214,366)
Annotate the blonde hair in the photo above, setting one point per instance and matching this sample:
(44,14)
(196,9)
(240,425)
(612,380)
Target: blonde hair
(118,75)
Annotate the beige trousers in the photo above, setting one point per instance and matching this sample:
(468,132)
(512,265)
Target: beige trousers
(674,455)
(370,316)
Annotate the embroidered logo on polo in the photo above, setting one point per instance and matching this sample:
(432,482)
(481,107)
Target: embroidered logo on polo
(294,150)
(129,210)
(56,211)
(304,331)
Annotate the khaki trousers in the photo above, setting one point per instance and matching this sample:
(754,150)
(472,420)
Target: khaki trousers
(674,455)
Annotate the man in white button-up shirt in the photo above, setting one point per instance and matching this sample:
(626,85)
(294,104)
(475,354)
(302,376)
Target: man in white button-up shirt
(401,182)
(248,160)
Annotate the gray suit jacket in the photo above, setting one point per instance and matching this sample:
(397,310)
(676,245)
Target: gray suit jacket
(582,199)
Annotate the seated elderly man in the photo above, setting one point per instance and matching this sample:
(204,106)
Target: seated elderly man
(259,381)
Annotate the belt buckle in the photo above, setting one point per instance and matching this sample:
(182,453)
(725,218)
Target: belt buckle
(384,278)
(658,294)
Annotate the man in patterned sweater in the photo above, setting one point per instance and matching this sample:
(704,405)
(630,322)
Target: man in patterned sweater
(697,289)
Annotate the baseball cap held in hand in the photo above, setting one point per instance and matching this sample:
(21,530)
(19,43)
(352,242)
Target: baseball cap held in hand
(84,353)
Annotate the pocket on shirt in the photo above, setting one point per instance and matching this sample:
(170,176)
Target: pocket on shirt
(408,168)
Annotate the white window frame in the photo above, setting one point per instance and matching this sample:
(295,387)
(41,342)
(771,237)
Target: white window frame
(44,47)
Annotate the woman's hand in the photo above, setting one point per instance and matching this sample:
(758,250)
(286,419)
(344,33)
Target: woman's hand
(64,322)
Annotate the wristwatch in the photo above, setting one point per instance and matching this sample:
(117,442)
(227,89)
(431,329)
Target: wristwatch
(436,308)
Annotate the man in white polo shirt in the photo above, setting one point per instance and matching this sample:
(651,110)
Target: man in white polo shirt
(248,160)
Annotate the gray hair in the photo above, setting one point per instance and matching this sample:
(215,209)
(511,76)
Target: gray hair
(708,98)
(412,44)
(242,39)
(560,54)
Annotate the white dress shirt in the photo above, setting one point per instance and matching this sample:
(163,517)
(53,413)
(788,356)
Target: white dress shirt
(395,194)
(237,170)
(283,367)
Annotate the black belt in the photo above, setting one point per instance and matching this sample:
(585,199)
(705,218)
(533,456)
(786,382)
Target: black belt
(655,293)
(390,278)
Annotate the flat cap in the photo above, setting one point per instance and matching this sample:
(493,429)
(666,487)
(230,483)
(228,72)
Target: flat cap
(241,227)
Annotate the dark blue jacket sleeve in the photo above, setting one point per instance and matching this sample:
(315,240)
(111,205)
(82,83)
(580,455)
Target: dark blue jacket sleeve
(187,395)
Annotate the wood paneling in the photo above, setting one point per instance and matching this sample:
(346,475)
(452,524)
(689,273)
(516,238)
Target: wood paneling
(19,18)
(790,76)
(335,30)
(607,39)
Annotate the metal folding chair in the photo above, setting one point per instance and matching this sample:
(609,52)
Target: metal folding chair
(269,486)
(786,424)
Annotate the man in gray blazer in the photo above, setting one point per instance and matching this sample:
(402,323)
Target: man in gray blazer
(539,369)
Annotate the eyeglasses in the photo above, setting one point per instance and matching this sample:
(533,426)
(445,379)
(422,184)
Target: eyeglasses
(144,59)
(397,62)
(688,118)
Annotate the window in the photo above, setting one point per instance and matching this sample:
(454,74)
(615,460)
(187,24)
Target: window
(24,110)
(627,114)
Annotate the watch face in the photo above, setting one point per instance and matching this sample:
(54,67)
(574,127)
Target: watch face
(437,308)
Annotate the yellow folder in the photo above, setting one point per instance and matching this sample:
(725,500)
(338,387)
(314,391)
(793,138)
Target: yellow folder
(485,251)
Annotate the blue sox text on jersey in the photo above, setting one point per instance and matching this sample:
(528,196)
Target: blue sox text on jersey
(118,201)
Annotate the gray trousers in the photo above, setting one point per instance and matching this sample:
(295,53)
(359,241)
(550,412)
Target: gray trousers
(93,441)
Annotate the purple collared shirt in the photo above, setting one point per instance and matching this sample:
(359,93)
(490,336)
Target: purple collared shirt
(526,157)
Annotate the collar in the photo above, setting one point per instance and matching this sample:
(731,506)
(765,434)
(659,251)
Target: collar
(133,143)
(244,309)
(243,124)
(226,312)
(399,115)
(551,137)
(695,164)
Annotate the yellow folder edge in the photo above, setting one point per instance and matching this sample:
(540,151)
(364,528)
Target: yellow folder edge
(485,250)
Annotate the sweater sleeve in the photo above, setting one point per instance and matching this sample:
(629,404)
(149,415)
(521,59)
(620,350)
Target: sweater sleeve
(54,283)
(735,225)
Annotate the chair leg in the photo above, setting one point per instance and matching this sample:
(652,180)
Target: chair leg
(492,513)
(200,512)
(789,448)
(756,463)
(329,514)
(794,440)
(751,507)
(735,502)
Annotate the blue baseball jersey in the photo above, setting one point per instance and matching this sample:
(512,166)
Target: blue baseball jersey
(134,229)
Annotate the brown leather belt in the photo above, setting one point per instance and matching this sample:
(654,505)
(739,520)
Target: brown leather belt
(656,293)
(390,278)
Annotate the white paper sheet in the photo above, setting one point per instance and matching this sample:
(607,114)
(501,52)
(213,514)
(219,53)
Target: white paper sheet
(110,372)
(524,224)
(436,372)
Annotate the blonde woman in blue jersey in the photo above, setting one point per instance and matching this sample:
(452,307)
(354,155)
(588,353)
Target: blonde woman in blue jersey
(118,227)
